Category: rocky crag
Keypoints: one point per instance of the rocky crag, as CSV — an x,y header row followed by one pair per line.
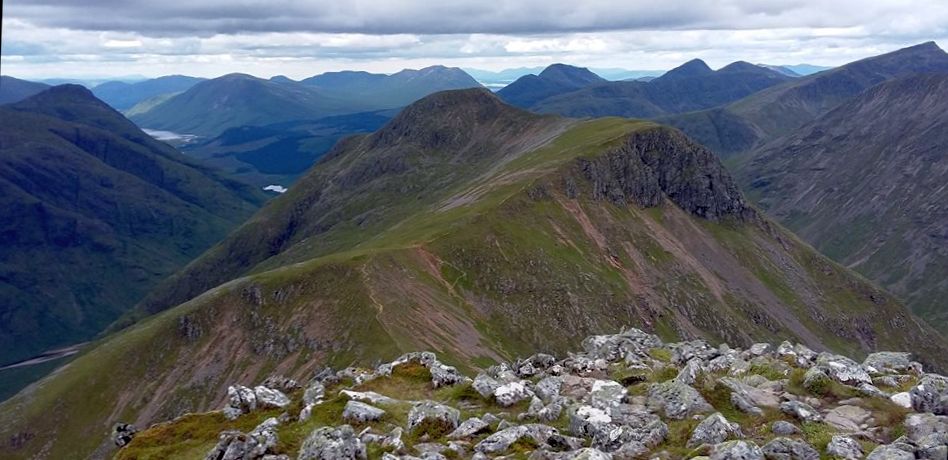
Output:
x,y
624,396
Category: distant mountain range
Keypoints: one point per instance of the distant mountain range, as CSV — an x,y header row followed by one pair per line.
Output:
x,y
752,121
14,89
95,212
691,86
123,96
865,183
499,79
482,232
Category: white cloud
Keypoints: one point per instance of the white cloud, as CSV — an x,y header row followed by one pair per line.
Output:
x,y
44,38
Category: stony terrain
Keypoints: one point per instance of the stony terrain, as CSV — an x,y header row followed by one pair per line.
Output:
x,y
623,396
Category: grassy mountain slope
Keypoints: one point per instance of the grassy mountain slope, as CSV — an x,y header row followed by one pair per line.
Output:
x,y
865,184
210,107
123,96
691,86
478,231
776,111
83,187
15,90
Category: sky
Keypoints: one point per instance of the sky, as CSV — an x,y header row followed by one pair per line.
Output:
x,y
208,38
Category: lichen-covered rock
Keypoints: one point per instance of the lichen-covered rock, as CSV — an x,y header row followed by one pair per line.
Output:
x,y
714,429
931,394
789,449
485,385
501,441
328,443
890,362
784,428
434,418
122,433
269,398
360,412
676,400
606,394
890,453
282,383
511,393
737,450
801,411
240,400
234,445
469,428
586,453
844,448
843,369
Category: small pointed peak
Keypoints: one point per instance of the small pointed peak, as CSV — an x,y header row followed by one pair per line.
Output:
x,y
694,67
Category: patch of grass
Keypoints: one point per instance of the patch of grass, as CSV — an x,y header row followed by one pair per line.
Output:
x,y
661,354
818,434
187,436
769,372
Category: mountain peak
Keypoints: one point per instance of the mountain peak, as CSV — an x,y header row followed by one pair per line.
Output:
x,y
742,66
439,119
570,74
63,101
692,68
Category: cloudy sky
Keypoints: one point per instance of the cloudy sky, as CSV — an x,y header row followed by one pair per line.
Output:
x,y
92,38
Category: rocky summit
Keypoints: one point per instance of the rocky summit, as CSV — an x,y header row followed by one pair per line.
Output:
x,y
624,396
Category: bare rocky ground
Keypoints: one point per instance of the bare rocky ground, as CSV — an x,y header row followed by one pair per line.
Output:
x,y
624,396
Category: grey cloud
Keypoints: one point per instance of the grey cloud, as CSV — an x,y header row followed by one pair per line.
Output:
x,y
174,17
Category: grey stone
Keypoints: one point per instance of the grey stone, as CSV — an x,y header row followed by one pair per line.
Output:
x,y
427,415
485,385
736,450
240,400
469,428
548,388
890,453
511,393
122,433
843,369
847,418
844,448
328,443
784,428
931,394
676,400
789,449
890,362
270,398
801,411
714,429
360,412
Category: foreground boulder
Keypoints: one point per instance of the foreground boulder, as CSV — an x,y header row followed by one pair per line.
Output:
x,y
332,443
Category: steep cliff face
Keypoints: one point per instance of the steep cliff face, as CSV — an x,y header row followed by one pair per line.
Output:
x,y
656,164
526,233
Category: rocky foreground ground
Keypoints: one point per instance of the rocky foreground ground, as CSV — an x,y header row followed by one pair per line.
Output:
x,y
624,396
